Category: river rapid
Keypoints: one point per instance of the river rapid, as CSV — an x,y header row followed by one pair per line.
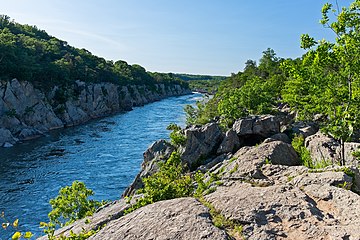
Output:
x,y
105,154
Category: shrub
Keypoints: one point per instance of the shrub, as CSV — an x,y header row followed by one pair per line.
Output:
x,y
176,136
71,204
168,183
302,151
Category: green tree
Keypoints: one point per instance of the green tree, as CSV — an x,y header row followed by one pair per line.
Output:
x,y
326,81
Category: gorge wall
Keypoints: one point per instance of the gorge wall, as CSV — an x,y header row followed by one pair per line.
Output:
x,y
27,112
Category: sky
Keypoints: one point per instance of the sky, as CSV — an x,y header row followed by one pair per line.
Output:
x,y
212,37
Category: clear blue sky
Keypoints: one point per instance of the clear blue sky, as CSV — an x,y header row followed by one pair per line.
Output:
x,y
185,36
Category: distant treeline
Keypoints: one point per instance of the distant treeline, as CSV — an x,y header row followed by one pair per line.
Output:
x,y
192,77
30,54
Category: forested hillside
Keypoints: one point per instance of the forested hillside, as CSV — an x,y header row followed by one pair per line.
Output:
x,y
30,54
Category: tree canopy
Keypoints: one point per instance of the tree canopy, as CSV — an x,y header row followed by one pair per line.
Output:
x,y
30,54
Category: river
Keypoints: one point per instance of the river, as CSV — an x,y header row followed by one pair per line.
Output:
x,y
105,154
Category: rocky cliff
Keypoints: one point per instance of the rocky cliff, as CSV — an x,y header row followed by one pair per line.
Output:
x,y
27,112
261,188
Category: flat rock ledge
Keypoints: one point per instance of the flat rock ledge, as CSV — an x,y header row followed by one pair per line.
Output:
x,y
177,219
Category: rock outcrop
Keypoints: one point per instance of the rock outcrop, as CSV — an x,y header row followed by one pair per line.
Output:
x,y
26,112
201,143
260,191
325,148
178,219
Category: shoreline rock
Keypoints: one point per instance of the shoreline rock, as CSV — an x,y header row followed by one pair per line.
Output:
x,y
27,113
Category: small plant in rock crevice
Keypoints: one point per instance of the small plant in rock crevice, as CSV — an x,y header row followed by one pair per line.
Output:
x,y
177,137
302,151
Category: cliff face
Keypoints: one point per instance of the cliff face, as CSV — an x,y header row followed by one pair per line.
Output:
x,y
27,112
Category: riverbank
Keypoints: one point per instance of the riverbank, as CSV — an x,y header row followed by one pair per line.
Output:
x,y
105,154
253,185
27,112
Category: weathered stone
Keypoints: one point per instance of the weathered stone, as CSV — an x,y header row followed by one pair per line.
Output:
x,y
325,148
177,219
214,161
280,174
230,143
264,126
249,160
24,107
201,142
305,129
278,137
160,149
349,149
6,137
283,212
7,145
29,133
323,178
244,126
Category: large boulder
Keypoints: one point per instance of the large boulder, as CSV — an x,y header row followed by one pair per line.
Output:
x,y
160,149
102,216
177,219
201,143
247,162
305,129
230,143
6,137
325,148
253,130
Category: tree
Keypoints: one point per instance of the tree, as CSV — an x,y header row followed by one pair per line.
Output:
x,y
327,81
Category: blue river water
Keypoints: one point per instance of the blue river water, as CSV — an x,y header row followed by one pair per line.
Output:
x,y
105,154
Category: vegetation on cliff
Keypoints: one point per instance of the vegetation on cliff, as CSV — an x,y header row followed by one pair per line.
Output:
x,y
323,84
30,54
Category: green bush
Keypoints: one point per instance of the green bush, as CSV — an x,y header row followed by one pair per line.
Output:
x,y
176,136
301,150
168,183
71,204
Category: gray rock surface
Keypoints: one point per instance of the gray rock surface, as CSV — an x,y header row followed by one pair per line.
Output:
x,y
325,148
201,142
177,219
264,126
248,161
107,213
305,129
284,212
278,137
6,137
230,143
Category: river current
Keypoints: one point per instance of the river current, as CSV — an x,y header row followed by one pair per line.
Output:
x,y
105,154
